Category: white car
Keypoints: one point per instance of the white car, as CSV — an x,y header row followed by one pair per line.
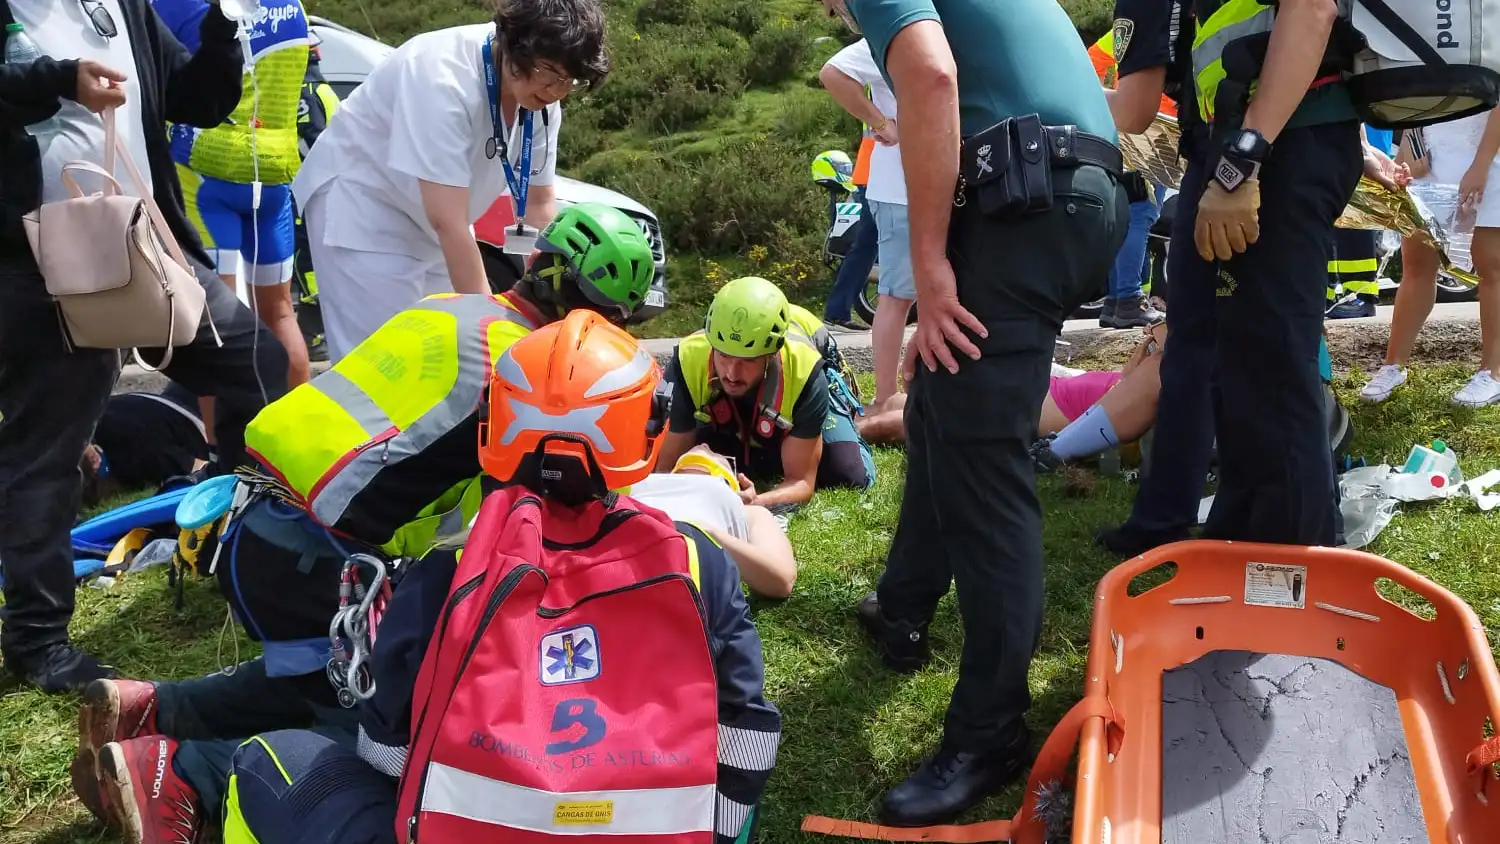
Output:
x,y
347,57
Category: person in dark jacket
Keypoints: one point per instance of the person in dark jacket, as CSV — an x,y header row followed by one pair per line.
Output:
x,y
113,53
142,441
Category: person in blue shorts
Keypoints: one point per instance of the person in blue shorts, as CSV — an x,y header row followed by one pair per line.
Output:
x,y
236,177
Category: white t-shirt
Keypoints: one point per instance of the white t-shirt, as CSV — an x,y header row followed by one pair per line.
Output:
x,y
887,180
703,500
62,30
1451,147
423,113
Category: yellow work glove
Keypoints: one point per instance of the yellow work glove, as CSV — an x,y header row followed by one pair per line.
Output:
x,y
1227,222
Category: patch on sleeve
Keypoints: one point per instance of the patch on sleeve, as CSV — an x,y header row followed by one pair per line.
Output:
x,y
1124,30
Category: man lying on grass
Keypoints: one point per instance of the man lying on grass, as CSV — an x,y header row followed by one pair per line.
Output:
x,y
703,490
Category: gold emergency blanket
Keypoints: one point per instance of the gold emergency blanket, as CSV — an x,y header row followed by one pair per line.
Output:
x,y
1408,211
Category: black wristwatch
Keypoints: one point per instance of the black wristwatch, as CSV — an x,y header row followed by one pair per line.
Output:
x,y
1241,160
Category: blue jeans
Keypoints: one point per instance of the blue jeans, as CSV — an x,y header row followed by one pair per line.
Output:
x,y
1130,262
854,271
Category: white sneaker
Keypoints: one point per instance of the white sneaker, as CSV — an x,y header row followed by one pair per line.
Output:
x,y
1483,389
1385,382
1060,371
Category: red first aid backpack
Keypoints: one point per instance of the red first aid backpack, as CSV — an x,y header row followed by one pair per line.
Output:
x,y
568,692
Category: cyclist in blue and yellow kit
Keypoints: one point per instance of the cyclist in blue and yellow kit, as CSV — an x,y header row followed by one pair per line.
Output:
x,y
219,167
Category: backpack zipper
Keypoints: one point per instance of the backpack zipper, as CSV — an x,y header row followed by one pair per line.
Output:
x,y
454,600
559,612
497,597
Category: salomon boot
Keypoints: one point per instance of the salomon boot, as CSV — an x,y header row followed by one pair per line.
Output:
x,y
114,710
144,795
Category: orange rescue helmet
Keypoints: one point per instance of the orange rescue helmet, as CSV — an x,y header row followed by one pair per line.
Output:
x,y
580,389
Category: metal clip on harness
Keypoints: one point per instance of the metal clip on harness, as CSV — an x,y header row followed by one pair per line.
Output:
x,y
352,631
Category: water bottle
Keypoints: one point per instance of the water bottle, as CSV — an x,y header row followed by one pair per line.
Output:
x,y
21,50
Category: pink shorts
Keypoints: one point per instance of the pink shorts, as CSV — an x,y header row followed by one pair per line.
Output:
x,y
1075,395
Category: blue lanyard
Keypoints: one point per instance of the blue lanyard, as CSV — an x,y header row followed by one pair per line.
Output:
x,y
519,187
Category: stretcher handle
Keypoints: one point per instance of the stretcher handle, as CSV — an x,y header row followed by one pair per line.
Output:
x,y
1200,553
1050,766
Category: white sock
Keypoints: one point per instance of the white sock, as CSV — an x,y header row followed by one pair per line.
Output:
x,y
1085,436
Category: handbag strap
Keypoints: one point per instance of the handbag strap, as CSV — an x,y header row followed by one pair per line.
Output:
x,y
114,146
111,184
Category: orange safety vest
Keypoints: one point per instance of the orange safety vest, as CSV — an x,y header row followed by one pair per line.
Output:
x,y
1102,53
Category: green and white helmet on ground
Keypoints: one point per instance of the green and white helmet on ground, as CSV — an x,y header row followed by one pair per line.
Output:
x,y
606,253
833,169
748,318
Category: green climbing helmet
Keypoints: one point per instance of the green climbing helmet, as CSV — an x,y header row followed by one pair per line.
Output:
x,y
834,170
607,253
748,318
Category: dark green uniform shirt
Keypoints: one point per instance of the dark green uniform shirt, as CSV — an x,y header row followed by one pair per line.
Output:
x,y
1014,57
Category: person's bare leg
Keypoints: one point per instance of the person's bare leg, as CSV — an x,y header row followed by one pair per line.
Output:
x,y
1131,403
1486,251
229,279
1414,299
273,304
1052,419
886,336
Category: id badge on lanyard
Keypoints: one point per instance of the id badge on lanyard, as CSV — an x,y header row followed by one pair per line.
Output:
x,y
522,239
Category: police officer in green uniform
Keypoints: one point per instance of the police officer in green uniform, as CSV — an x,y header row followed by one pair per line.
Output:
x,y
1153,47
1283,159
1003,95
1206,301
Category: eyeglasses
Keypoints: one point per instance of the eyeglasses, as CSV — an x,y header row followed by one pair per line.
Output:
x,y
555,80
103,21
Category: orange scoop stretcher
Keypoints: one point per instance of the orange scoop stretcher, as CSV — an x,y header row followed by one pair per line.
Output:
x,y
1248,605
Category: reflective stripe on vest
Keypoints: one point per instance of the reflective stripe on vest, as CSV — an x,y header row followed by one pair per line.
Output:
x,y
786,375
1232,21
401,389
439,522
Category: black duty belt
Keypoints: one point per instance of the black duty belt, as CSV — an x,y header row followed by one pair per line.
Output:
x,y
1087,149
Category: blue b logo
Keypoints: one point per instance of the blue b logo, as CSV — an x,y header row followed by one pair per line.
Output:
x,y
570,713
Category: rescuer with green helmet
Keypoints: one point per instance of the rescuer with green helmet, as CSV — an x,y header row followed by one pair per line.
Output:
x,y
754,386
592,256
380,458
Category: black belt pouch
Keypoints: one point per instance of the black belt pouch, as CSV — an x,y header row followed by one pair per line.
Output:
x,y
1008,167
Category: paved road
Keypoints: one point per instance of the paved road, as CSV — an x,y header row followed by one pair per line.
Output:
x,y
1082,335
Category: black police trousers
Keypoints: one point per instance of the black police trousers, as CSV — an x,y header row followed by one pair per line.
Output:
x,y
970,514
1241,361
51,399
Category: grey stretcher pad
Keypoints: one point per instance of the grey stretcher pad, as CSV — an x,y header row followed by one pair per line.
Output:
x,y
1274,749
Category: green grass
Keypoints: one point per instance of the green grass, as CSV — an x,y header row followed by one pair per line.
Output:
x,y
852,729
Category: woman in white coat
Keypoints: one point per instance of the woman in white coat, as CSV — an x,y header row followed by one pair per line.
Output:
x,y
446,125
1463,153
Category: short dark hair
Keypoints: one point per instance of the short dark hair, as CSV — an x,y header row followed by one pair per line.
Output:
x,y
569,33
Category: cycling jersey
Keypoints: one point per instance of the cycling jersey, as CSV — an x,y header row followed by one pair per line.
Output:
x,y
279,41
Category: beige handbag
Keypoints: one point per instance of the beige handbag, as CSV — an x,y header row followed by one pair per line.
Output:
x,y
118,276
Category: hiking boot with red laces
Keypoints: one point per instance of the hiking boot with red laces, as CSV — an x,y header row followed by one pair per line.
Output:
x,y
148,801
114,710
